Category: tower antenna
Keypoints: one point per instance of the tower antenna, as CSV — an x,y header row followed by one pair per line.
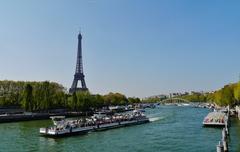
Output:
x,y
79,31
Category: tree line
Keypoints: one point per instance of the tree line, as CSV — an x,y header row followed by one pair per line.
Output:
x,y
228,95
44,96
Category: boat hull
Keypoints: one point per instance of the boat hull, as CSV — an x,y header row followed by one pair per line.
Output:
x,y
213,125
121,124
65,134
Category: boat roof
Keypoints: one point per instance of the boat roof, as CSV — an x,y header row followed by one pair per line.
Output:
x,y
215,115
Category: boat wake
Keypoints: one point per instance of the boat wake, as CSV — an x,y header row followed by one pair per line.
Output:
x,y
155,119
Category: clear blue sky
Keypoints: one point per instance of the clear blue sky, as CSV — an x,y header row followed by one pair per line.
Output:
x,y
136,47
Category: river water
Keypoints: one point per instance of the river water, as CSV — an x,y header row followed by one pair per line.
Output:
x,y
172,129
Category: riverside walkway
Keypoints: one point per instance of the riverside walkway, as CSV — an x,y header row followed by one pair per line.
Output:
x,y
36,116
223,143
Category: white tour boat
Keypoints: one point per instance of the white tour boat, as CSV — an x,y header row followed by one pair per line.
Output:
x,y
64,127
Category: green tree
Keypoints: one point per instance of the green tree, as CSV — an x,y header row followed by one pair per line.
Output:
x,y
133,100
85,100
98,101
237,92
28,98
74,101
227,96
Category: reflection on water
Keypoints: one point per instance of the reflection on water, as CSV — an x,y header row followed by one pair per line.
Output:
x,y
172,128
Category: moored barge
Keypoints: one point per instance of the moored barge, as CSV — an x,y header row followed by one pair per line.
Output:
x,y
215,119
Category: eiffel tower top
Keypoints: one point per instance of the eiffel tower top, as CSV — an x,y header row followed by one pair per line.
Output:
x,y
79,35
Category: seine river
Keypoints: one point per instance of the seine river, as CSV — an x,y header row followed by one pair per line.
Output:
x,y
172,129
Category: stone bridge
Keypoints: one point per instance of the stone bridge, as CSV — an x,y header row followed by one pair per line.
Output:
x,y
174,100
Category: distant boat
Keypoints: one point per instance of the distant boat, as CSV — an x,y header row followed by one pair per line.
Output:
x,y
182,104
185,104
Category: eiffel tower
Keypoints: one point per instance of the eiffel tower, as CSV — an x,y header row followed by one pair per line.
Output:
x,y
79,76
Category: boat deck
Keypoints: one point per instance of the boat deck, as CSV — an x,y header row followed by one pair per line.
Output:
x,y
52,132
95,123
215,119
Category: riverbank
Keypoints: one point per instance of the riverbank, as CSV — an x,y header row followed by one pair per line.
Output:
x,y
16,114
38,116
